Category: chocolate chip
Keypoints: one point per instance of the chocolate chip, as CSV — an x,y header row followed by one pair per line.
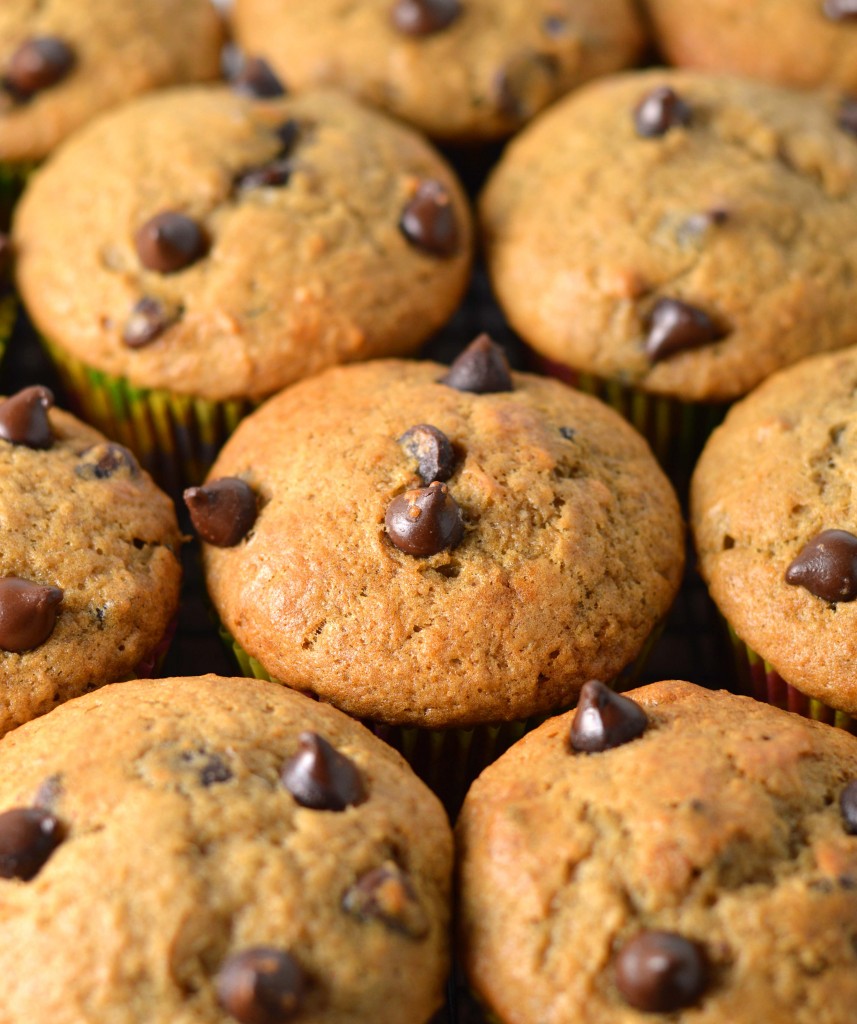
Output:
x,y
147,322
28,836
387,895
255,77
261,985
223,511
659,972
24,417
827,566
428,220
848,807
433,451
37,64
660,110
605,719
846,116
423,17
424,521
169,242
525,84
568,433
271,175
321,778
103,461
840,10
214,771
288,134
482,368
28,613
675,326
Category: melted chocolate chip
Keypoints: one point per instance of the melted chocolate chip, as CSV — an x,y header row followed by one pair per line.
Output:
x,y
659,972
387,895
428,220
423,17
433,451
38,64
271,175
321,778
660,110
255,77
28,613
223,511
424,521
827,566
169,242
840,10
28,836
147,322
848,808
846,116
482,368
261,985
103,461
674,326
24,417
525,84
605,719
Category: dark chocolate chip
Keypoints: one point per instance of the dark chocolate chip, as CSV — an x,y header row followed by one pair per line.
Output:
x,y
840,10
660,110
423,17
675,326
659,972
28,613
213,771
321,778
525,84
169,242
147,322
433,451
37,64
106,460
387,895
605,719
261,985
568,433
848,807
24,417
428,220
424,521
223,511
271,175
827,566
482,368
28,836
288,134
255,77
846,116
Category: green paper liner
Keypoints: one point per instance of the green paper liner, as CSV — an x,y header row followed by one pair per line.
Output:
x,y
175,437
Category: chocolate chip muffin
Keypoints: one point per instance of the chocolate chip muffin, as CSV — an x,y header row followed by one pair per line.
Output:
x,y
89,566
211,850
717,886
776,533
457,69
234,244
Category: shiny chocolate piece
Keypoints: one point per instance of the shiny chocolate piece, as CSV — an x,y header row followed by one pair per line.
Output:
x,y
147,322
840,10
386,894
255,77
261,985
169,242
848,808
271,175
674,326
107,460
525,84
605,719
827,566
482,368
24,417
433,451
423,17
222,512
28,613
38,64
660,110
846,115
321,778
28,836
424,521
428,220
660,972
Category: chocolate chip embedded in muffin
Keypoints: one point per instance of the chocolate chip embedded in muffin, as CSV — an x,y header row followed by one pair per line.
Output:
x,y
28,836
433,451
321,778
827,566
423,17
660,110
255,77
169,242
840,10
429,222
104,461
674,326
24,417
222,512
481,368
28,613
424,521
386,894
605,719
261,985
38,64
660,972
148,320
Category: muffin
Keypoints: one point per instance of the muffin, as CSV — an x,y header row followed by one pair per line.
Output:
x,y
460,70
210,850
775,526
683,855
89,566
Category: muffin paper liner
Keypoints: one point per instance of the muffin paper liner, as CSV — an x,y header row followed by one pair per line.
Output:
x,y
175,437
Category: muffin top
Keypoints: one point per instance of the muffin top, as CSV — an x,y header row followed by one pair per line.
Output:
x,y
690,234
457,69
89,565
220,245
421,553
62,62
772,483
706,869
207,850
